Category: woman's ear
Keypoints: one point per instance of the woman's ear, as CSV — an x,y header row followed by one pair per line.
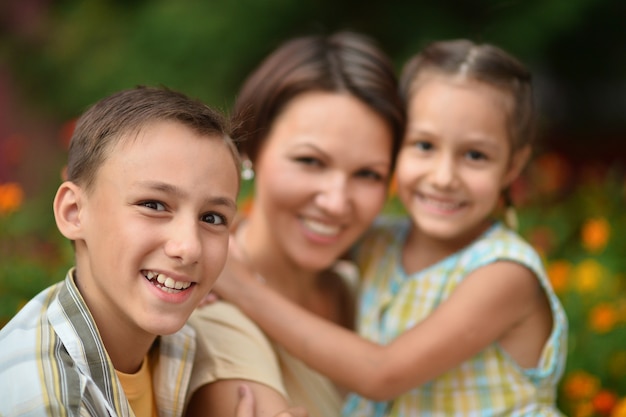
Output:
x,y
518,162
67,205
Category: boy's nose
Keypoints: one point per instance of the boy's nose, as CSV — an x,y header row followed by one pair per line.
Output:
x,y
184,242
332,196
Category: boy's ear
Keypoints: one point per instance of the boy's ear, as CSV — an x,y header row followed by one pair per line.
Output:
x,y
518,162
67,206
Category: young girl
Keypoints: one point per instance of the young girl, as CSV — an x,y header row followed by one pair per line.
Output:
x,y
456,312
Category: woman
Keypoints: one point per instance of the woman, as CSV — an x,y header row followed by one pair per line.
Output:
x,y
320,123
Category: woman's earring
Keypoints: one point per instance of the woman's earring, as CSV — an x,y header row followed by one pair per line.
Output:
x,y
247,172
510,215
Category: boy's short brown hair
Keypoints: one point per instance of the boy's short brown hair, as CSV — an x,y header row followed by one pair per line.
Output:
x,y
126,113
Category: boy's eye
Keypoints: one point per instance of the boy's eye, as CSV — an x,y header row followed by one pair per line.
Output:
x,y
154,205
213,218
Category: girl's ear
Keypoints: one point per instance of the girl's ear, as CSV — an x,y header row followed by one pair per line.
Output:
x,y
518,162
67,205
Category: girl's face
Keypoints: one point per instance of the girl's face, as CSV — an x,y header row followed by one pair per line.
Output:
x,y
456,157
321,178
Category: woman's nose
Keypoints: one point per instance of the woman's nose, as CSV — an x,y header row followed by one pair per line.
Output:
x,y
333,195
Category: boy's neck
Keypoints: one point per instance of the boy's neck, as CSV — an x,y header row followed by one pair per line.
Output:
x,y
125,346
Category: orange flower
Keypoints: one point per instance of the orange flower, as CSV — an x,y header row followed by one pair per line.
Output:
x,y
11,196
602,318
580,385
588,274
595,234
604,402
558,272
620,409
583,409
245,205
393,187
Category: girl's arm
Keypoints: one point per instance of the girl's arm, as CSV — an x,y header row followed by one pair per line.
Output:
x,y
479,312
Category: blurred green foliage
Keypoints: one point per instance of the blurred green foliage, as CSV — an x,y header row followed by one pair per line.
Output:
x,y
80,51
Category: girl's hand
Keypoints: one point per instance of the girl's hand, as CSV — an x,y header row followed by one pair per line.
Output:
x,y
245,407
235,276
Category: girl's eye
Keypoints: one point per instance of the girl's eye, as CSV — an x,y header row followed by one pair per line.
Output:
x,y
476,155
423,145
213,218
154,205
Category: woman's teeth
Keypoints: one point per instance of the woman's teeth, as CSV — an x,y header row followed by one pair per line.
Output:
x,y
321,228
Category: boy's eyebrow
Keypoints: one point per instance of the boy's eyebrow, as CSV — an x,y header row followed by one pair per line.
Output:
x,y
176,191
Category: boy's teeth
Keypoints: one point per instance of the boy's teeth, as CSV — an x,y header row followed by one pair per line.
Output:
x,y
167,282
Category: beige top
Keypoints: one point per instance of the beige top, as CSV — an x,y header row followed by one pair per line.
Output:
x,y
231,346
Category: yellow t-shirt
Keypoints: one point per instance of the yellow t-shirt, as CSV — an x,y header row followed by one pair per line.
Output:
x,y
139,390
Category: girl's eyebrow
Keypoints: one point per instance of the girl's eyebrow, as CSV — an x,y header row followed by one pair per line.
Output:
x,y
419,130
176,191
483,142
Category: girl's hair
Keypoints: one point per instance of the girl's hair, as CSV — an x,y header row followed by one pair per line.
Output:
x,y
345,62
484,63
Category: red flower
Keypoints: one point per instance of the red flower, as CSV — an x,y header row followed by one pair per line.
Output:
x,y
604,402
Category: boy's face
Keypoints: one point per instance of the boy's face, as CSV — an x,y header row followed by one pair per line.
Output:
x,y
152,233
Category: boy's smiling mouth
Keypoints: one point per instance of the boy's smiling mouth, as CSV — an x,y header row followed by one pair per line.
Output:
x,y
165,283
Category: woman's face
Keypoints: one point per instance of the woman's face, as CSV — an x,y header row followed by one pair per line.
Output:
x,y
321,177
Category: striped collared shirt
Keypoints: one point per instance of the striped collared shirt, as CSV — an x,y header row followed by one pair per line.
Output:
x,y
53,362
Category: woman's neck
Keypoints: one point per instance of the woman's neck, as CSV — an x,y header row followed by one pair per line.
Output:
x,y
262,254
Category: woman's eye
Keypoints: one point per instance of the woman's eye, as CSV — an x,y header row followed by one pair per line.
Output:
x,y
213,218
309,160
369,174
153,205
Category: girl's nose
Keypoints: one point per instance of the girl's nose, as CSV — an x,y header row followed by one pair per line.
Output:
x,y
444,171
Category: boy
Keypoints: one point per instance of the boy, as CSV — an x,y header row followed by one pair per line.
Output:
x,y
152,183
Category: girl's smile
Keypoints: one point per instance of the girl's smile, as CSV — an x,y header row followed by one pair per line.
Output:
x,y
455,160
